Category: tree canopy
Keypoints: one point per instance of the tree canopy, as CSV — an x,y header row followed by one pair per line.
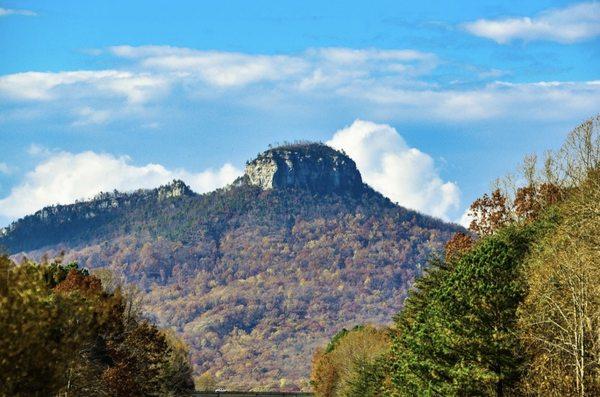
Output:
x,y
62,333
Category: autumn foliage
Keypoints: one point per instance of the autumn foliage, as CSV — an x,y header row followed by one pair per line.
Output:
x,y
338,369
459,244
560,318
239,271
61,333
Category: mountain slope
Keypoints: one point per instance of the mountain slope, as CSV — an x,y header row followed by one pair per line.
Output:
x,y
257,274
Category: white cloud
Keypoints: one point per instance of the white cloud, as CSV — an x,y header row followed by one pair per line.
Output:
x,y
81,94
64,177
38,150
540,100
383,84
46,86
87,116
9,11
404,174
465,219
231,69
574,23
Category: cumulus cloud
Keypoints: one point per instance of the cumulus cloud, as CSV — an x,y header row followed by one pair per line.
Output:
x,y
404,174
465,219
574,23
9,11
64,177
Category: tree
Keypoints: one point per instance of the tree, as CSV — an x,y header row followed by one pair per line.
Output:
x,y
62,333
455,335
349,365
205,382
368,378
39,332
489,213
458,245
580,153
560,318
531,280
531,200
178,371
544,186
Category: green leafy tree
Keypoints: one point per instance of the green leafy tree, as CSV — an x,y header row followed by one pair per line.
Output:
x,y
368,378
37,332
456,334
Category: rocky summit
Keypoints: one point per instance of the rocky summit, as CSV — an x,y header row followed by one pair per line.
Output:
x,y
310,166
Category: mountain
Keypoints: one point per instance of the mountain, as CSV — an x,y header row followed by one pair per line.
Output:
x,y
257,274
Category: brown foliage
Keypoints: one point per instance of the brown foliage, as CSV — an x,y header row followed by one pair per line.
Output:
x,y
489,213
76,281
457,246
531,200
285,270
324,375
120,380
492,212
562,171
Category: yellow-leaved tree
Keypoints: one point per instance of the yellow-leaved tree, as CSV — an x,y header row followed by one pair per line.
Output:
x,y
560,318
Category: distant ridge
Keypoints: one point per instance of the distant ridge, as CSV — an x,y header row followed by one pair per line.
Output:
x,y
21,234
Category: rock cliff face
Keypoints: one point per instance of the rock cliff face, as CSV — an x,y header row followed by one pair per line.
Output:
x,y
177,188
314,167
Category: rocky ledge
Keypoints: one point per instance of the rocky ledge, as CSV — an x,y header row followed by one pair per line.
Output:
x,y
311,166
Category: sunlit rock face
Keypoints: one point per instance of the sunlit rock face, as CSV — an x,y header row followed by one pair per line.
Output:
x,y
176,188
314,167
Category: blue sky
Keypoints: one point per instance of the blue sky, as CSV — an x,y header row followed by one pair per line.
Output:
x,y
432,100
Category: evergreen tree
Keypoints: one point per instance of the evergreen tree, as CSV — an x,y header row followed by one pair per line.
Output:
x,y
456,334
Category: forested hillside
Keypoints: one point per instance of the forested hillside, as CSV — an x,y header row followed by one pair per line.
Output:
x,y
254,277
512,309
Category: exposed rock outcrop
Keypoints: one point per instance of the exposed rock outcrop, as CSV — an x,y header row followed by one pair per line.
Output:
x,y
313,166
177,188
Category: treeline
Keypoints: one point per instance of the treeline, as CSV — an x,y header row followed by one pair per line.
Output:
x,y
513,307
63,333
